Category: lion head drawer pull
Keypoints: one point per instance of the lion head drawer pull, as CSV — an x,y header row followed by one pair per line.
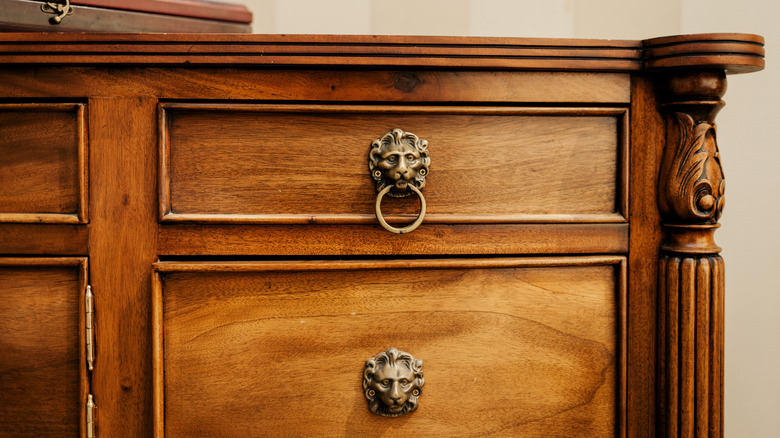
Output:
x,y
392,383
399,163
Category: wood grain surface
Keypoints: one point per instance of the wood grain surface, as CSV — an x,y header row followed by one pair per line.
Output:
x,y
329,50
325,85
43,173
122,250
521,347
44,239
541,148
42,371
363,240
647,142
732,53
308,164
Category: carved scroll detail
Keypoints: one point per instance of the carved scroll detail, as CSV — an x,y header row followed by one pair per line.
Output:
x,y
692,182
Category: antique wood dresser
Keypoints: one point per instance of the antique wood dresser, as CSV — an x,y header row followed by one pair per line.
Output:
x,y
232,236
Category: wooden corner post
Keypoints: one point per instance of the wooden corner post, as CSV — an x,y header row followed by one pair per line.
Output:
x,y
691,196
691,191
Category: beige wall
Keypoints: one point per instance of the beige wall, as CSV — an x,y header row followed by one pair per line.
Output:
x,y
749,148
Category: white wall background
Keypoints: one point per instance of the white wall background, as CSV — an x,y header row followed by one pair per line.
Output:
x,y
750,151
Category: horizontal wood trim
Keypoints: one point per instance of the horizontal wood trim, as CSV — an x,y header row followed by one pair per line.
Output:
x,y
736,53
394,109
40,218
358,51
431,239
44,239
687,49
600,55
319,85
44,261
371,219
178,286
46,178
530,63
347,40
336,265
206,176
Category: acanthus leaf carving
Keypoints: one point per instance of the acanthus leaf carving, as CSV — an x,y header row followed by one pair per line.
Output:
x,y
692,186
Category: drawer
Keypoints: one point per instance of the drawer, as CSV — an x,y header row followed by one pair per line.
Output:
x,y
509,346
42,366
303,164
43,173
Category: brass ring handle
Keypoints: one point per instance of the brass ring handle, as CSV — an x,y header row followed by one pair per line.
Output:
x,y
399,162
409,228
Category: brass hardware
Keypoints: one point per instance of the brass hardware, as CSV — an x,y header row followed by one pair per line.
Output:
x,y
392,383
60,10
91,408
408,228
89,304
399,163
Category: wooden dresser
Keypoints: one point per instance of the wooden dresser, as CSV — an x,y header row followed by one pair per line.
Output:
x,y
190,236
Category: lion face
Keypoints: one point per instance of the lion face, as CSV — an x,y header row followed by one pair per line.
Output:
x,y
399,158
392,382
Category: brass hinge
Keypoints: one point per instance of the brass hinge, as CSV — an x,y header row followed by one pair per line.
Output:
x,y
58,9
89,322
91,411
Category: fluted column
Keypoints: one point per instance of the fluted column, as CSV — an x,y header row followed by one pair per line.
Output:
x,y
691,281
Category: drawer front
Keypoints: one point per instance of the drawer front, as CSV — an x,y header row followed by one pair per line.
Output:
x,y
43,173
309,163
520,347
42,374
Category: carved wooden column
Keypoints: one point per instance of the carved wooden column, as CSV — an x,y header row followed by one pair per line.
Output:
x,y
691,198
690,72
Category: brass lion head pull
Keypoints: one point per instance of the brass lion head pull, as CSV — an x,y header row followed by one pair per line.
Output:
x,y
392,383
399,163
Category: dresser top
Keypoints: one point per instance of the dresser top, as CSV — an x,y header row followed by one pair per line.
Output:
x,y
736,53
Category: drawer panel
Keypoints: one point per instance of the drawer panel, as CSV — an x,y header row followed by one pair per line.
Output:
x,y
309,164
520,347
43,163
42,371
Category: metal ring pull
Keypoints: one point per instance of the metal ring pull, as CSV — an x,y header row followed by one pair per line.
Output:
x,y
399,163
409,228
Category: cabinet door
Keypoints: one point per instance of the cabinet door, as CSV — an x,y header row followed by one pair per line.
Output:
x,y
520,347
43,385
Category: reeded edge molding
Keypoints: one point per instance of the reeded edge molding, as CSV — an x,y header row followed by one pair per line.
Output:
x,y
736,53
732,52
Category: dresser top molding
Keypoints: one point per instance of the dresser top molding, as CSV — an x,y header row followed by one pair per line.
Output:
x,y
732,52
